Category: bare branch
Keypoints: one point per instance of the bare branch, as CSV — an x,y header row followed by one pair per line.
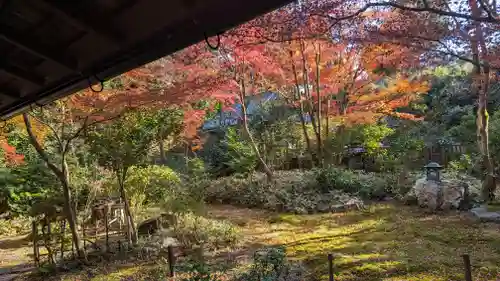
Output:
x,y
51,128
38,147
430,10
86,125
486,8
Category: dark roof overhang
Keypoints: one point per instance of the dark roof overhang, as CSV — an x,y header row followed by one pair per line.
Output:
x,y
52,48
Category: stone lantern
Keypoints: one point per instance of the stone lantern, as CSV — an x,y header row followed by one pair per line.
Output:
x,y
433,171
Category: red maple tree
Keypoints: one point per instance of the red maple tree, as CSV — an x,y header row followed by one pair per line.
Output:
x,y
11,157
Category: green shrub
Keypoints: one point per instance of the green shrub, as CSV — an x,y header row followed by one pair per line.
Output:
x,y
242,159
154,182
197,271
366,185
464,164
291,191
149,185
271,264
268,264
196,167
16,226
192,230
185,198
302,192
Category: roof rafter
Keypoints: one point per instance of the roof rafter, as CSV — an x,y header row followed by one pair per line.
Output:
x,y
9,93
94,26
21,73
21,42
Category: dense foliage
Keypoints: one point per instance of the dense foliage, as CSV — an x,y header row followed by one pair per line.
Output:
x,y
316,107
320,190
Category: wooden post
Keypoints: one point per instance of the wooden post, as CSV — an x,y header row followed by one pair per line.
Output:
x,y
444,156
83,236
468,272
199,254
63,228
36,253
129,232
96,229
330,267
171,260
107,230
49,242
121,214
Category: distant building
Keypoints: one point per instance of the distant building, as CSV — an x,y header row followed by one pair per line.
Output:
x,y
233,116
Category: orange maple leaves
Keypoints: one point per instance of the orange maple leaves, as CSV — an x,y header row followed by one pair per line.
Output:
x,y
11,157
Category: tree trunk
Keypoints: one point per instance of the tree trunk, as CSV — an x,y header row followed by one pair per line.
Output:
x,y
340,130
312,113
47,240
489,185
121,184
301,107
163,157
264,166
481,89
318,132
63,232
338,135
71,215
327,129
304,129
63,176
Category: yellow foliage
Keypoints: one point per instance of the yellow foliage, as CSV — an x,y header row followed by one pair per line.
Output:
x,y
39,130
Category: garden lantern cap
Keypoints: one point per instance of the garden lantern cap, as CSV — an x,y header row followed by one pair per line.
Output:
x,y
433,165
53,48
433,171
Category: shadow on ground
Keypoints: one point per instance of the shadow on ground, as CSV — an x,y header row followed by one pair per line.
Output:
x,y
14,243
386,242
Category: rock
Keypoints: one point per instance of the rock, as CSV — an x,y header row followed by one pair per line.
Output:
x,y
444,195
453,194
170,241
323,208
338,208
478,210
153,225
410,199
354,204
427,193
149,227
484,215
350,204
301,211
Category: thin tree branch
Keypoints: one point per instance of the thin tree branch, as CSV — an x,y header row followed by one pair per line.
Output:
x,y
52,129
486,8
86,126
38,147
430,10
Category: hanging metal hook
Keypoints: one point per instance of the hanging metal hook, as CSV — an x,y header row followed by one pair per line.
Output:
x,y
101,83
216,47
4,125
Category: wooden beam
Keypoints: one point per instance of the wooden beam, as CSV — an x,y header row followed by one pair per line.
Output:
x,y
127,5
9,93
39,51
21,74
94,26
